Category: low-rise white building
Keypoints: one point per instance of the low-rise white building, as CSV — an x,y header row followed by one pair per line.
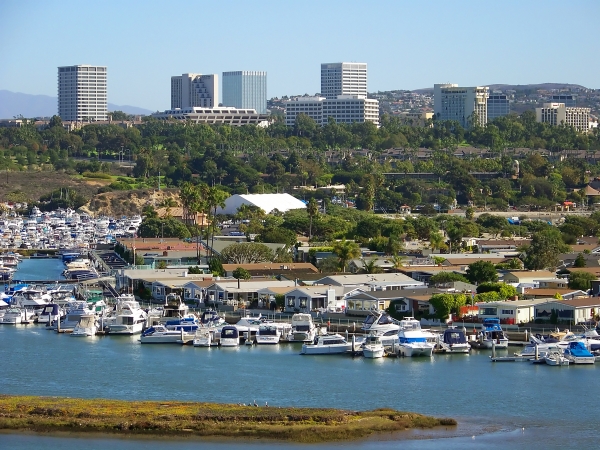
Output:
x,y
217,115
266,202
343,109
512,312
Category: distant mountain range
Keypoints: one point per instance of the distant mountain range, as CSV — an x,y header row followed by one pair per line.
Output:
x,y
16,103
517,87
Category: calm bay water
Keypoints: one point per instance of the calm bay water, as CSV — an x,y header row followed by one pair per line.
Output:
x,y
498,405
40,269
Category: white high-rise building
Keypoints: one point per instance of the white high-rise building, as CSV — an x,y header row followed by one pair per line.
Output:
x,y
343,79
462,104
559,114
82,93
194,89
245,89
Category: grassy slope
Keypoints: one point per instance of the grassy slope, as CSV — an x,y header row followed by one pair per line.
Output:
x,y
307,425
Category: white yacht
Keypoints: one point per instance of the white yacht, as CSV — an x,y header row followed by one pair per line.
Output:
x,y
160,334
230,336
206,337
174,308
303,328
327,344
268,334
413,340
87,326
373,347
75,310
211,319
14,315
129,318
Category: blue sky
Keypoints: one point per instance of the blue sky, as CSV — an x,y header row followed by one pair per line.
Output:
x,y
407,45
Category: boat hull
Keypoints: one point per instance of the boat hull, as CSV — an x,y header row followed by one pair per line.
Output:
x,y
310,349
412,350
126,329
499,343
373,351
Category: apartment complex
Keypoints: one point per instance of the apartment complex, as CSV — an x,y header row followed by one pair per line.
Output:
x,y
343,79
194,89
559,114
82,93
461,104
498,105
245,89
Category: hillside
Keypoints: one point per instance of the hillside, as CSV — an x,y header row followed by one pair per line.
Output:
x,y
517,87
127,203
16,103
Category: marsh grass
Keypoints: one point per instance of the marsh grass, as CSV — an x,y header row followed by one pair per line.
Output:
x,y
307,425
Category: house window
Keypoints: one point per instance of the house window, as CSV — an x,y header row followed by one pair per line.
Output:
x,y
291,301
303,302
488,311
508,311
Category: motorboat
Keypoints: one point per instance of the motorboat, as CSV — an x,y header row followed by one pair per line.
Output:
x,y
174,308
556,358
577,353
211,319
160,334
373,347
14,315
454,340
303,328
230,336
267,334
50,313
87,326
539,348
379,322
74,311
129,318
327,344
492,334
413,341
206,337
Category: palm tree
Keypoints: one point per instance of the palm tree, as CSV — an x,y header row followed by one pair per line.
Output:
x,y
313,210
398,262
371,266
345,251
215,198
436,240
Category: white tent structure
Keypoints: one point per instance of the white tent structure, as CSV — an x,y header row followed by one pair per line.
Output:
x,y
266,202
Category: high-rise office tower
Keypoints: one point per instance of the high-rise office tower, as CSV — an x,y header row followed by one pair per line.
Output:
x,y
245,89
82,93
498,105
569,100
343,79
462,104
194,89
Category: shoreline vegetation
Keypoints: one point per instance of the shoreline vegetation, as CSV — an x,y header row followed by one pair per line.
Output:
x,y
181,419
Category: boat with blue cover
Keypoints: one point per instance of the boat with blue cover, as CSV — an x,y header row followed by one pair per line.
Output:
x,y
492,334
577,353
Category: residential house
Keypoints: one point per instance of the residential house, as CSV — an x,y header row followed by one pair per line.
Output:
x,y
578,310
565,293
361,302
528,276
272,269
378,281
511,312
317,298
234,292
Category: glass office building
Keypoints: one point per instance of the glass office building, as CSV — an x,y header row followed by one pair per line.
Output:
x,y
245,89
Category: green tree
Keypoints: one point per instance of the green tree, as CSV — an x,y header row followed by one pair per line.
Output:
x,y
436,240
246,253
446,304
579,261
442,278
581,280
504,290
544,249
481,271
345,251
241,274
